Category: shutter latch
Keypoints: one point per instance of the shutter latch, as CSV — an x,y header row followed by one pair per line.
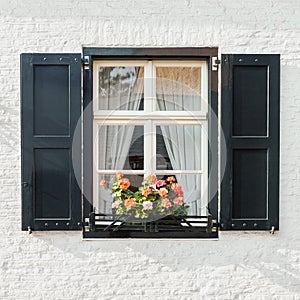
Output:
x,y
215,63
86,62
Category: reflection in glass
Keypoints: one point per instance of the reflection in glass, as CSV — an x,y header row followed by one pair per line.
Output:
x,y
178,88
178,147
121,88
121,147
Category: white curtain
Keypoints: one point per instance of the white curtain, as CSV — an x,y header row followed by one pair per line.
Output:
x,y
179,89
183,147
114,141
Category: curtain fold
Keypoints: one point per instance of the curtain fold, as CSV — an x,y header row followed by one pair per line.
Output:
x,y
114,141
179,141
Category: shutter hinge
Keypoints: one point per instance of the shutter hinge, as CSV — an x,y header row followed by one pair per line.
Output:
x,y
86,62
29,230
272,231
215,63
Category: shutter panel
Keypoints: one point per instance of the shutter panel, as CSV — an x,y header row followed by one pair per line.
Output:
x,y
250,122
51,108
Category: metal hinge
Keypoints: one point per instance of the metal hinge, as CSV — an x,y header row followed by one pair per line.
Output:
x,y
86,62
215,63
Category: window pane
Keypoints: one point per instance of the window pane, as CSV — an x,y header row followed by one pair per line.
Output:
x,y
120,147
121,88
178,147
178,88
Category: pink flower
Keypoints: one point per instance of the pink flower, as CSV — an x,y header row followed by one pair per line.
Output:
x,y
151,179
129,203
147,205
115,204
124,183
160,183
163,192
177,189
178,201
103,183
146,191
166,203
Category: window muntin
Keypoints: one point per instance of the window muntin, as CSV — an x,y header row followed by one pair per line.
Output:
x,y
149,133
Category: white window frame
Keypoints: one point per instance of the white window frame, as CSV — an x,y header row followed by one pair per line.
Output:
x,y
150,118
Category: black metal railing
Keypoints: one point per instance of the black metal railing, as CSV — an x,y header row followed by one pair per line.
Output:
x,y
110,225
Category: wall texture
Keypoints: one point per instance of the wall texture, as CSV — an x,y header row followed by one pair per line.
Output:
x,y
60,265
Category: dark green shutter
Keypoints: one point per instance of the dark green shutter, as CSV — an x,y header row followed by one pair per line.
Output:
x,y
250,122
51,108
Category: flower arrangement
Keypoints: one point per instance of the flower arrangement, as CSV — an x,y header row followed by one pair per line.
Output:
x,y
154,198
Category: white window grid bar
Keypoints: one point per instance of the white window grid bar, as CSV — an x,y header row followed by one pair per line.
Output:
x,y
160,172
184,115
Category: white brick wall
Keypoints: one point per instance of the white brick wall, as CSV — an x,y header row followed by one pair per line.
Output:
x,y
61,265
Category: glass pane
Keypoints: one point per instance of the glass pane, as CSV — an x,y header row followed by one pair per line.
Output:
x,y
178,147
121,88
120,147
178,88
192,194
103,203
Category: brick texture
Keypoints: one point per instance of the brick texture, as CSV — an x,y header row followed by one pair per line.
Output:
x,y
63,266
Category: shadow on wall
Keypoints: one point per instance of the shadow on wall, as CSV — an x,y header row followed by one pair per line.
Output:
x,y
259,256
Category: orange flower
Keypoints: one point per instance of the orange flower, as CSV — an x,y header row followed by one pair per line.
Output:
x,y
166,203
119,175
163,192
129,203
151,179
146,191
171,179
124,183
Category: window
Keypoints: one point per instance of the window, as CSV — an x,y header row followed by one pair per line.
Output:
x,y
150,111
150,117
139,101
